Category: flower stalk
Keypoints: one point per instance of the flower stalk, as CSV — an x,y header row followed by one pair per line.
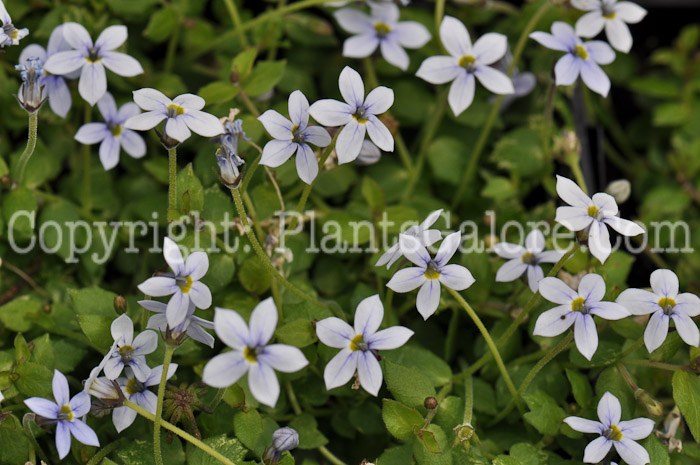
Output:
x,y
157,421
31,145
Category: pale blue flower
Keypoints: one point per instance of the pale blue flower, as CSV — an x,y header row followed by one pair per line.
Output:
x,y
466,63
31,92
359,345
425,236
193,326
55,86
613,432
92,59
64,413
183,283
182,114
429,273
252,353
111,134
357,115
9,34
577,308
611,15
137,392
582,58
130,352
293,137
664,304
381,29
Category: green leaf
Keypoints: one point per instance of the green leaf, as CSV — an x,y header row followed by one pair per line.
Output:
x,y
140,452
373,193
16,314
97,329
298,333
265,76
19,212
407,384
218,92
519,151
15,445
686,394
234,396
22,353
190,195
429,364
438,440
610,380
658,454
229,448
253,276
400,419
309,435
243,63
498,188
161,25
581,387
545,415
248,427
428,439
93,301
34,380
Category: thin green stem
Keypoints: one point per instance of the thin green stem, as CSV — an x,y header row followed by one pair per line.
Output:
x,y
34,446
534,300
660,365
31,145
105,451
468,399
468,176
556,350
236,19
183,434
439,13
573,160
159,405
172,184
330,457
492,347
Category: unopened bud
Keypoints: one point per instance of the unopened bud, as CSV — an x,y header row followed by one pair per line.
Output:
x,y
464,432
620,190
283,440
369,154
120,304
651,405
430,403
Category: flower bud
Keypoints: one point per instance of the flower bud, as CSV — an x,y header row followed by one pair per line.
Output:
x,y
31,91
430,403
284,439
651,405
229,175
620,190
120,304
369,154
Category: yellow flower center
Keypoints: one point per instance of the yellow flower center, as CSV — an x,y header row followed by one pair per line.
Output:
x,y
610,15
592,211
579,305
187,287
133,386
175,110
528,258
467,62
14,35
667,304
357,343
382,29
117,130
66,413
250,354
125,350
581,52
613,433
431,273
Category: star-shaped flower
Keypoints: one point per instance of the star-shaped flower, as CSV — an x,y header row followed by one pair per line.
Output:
x,y
55,87
9,34
183,283
193,326
525,259
430,272
465,63
593,216
182,114
613,432
359,345
130,352
293,136
425,236
92,59
664,304
357,115
252,353
65,413
611,15
112,134
577,308
582,58
381,29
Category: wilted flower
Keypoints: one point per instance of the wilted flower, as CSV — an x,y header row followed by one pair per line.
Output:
x,y
664,304
430,272
425,236
112,134
251,353
577,308
192,326
581,57
9,34
465,63
613,432
357,114
283,440
55,87
64,413
130,352
182,114
183,283
293,137
137,392
359,345
382,29
611,15
227,155
593,216
92,59
525,259
31,91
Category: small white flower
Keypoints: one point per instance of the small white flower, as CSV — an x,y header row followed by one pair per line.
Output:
x,y
430,272
182,114
465,63
425,236
130,352
525,259
1,397
293,136
192,325
359,345
613,432
611,15
382,29
252,353
592,215
92,59
664,304
9,34
183,283
582,58
357,115
137,392
577,308
111,133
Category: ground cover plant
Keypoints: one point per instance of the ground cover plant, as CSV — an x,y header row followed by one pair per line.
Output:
x,y
361,232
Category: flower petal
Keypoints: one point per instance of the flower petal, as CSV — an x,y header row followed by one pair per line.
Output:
x,y
631,452
158,286
276,152
80,404
197,265
123,417
592,288
597,449
599,241
490,48
664,283
455,37
368,316
204,124
145,121
42,407
630,12
277,125
461,94
224,369
354,21
411,34
60,99
508,250
586,336
284,358
618,34
590,24
173,257
231,328
554,322
151,99
638,301
92,133
390,338
567,70
550,256
121,64
688,304
609,410
122,330
111,38
600,52
93,82
393,53
494,80
190,101
583,425
456,277
369,372
534,276
511,270
63,441
438,69
573,218
549,41
414,250
351,87
307,164
595,78
334,332
341,368
145,343
349,141
624,227
656,331
608,310
109,152
636,429
360,46
428,298
448,248
379,100
407,279
318,136
77,36
298,106
331,112
554,290
687,329
379,133
263,322
140,368
177,129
